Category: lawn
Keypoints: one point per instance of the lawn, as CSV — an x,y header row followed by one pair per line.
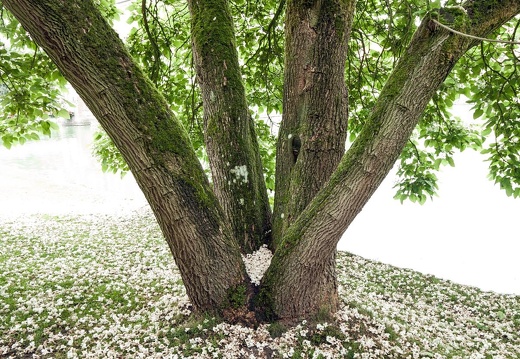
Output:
x,y
106,286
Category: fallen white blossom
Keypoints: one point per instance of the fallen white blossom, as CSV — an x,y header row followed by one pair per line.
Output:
x,y
257,263
105,286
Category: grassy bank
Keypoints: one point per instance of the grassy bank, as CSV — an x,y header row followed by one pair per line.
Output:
x,y
106,287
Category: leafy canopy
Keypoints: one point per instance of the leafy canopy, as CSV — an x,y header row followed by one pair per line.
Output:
x,y
31,88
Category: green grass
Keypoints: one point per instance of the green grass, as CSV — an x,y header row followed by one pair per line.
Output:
x,y
101,286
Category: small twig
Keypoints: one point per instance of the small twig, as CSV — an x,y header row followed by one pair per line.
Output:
x,y
154,74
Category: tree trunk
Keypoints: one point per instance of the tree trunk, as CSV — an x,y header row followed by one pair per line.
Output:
x,y
230,137
298,281
203,236
313,131
154,144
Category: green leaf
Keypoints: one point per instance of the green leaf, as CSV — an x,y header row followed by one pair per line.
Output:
x,y
63,114
486,131
477,113
7,145
501,315
45,125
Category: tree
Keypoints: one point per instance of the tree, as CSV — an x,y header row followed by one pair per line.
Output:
x,y
397,81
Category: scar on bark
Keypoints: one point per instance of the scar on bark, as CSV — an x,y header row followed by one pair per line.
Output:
x,y
296,144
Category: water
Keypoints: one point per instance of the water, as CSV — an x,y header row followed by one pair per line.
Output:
x,y
58,175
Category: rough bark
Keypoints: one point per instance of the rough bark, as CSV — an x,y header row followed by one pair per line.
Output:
x,y
296,283
301,279
313,131
230,137
93,59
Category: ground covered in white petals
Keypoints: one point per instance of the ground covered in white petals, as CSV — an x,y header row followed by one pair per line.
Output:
x,y
105,286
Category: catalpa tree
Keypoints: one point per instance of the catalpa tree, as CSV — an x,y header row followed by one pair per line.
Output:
x,y
192,81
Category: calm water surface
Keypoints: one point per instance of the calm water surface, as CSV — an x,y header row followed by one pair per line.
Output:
x,y
59,175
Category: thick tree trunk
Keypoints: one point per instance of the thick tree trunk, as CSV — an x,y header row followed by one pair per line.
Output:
x,y
301,278
296,283
313,131
312,135
230,137
93,59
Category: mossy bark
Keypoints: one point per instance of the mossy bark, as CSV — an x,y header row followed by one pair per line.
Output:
x,y
315,104
156,147
301,280
298,281
236,167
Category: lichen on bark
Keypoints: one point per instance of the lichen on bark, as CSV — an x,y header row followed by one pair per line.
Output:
x,y
229,130
204,235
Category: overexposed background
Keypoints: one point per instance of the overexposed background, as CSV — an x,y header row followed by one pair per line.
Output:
x,y
469,234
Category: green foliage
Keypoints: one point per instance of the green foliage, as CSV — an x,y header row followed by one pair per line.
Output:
x,y
109,9
266,143
486,76
433,145
192,327
110,158
416,172
160,41
276,329
30,87
237,296
380,34
320,336
260,42
493,82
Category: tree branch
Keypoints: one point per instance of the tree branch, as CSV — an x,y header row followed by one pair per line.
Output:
x,y
429,58
152,141
476,37
230,137
156,62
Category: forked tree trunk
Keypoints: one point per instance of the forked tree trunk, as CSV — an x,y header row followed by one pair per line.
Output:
x,y
312,136
299,281
313,131
205,238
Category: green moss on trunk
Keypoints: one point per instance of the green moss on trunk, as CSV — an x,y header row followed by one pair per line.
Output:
x,y
237,296
232,147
